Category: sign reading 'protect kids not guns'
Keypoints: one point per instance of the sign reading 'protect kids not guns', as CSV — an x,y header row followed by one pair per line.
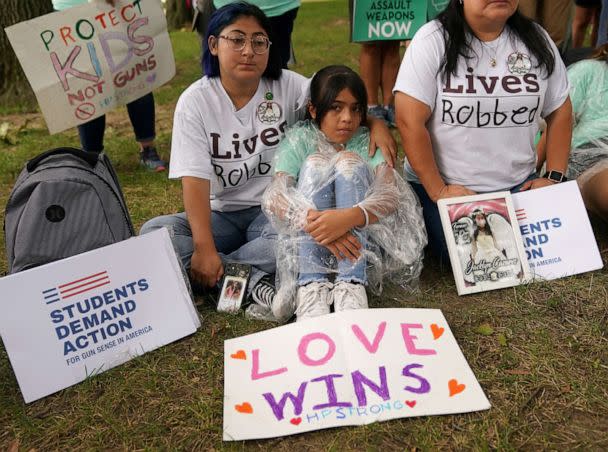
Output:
x,y
350,368
86,60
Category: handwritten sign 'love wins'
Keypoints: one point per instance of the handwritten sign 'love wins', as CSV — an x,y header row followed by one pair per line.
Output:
x,y
350,368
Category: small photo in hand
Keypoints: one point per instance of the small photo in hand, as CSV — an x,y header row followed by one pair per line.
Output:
x,y
484,242
234,287
231,296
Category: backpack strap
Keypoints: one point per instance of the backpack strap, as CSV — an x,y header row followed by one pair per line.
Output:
x,y
89,157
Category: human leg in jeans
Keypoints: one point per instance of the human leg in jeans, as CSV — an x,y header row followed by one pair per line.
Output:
x,y
353,179
243,236
143,119
313,296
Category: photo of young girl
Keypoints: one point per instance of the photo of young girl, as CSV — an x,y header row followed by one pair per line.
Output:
x,y
484,242
345,219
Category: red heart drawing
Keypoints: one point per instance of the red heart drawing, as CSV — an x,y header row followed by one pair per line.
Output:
x,y
244,408
410,403
296,420
455,387
437,330
240,354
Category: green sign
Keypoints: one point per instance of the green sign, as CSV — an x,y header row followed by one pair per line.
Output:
x,y
389,20
435,7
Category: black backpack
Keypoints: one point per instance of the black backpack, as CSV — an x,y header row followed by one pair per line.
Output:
x,y
65,201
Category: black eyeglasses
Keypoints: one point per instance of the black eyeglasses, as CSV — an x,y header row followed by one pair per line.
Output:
x,y
259,43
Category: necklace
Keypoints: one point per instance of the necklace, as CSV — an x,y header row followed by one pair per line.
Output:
x,y
492,50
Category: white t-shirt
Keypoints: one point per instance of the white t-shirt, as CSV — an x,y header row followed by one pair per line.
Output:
x,y
485,119
233,149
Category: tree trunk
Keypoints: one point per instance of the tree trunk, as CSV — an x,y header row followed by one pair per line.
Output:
x,y
14,87
178,14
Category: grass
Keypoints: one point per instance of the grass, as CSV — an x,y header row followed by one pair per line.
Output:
x,y
539,351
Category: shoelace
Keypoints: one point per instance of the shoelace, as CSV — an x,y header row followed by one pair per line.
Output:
x,y
263,293
346,297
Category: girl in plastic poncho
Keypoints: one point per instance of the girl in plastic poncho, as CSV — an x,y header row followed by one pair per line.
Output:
x,y
338,210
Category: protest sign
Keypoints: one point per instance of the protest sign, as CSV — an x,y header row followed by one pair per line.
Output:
x,y
71,319
387,20
349,368
556,232
86,60
435,7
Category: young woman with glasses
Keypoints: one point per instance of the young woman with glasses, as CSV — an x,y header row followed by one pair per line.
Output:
x,y
226,129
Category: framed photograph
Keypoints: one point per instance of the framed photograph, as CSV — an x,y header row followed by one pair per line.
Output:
x,y
234,287
484,242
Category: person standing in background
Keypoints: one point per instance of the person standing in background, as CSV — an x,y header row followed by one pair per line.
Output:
x,y
141,113
586,12
602,37
552,15
378,66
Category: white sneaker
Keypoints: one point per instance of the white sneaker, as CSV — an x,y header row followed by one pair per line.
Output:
x,y
313,300
347,296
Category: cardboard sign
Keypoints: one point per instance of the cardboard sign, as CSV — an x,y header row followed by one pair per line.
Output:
x,y
484,243
350,368
86,60
556,232
71,319
387,20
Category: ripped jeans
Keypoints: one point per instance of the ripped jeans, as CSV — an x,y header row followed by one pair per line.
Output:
x,y
331,183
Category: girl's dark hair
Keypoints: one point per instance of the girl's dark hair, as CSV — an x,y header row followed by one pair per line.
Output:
x,y
600,53
327,84
226,16
457,35
487,228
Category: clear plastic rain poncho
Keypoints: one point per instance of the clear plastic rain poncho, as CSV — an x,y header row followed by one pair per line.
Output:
x,y
589,95
313,175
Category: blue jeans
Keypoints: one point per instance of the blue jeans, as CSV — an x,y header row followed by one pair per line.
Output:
x,y
244,236
432,220
340,186
142,116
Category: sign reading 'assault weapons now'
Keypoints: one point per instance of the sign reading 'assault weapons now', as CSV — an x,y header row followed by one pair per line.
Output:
x,y
86,60
350,368
385,20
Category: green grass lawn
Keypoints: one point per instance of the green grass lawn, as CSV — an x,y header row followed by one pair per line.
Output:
x,y
539,351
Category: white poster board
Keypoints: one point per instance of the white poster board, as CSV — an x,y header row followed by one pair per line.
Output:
x,y
86,60
68,320
556,231
351,368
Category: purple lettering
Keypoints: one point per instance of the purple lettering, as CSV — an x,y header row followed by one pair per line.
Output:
x,y
359,379
424,387
278,408
331,393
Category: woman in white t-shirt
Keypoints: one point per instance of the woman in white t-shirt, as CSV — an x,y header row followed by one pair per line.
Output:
x,y
226,129
471,90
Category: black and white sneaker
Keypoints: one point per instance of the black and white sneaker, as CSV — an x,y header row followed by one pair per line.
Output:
x,y
263,292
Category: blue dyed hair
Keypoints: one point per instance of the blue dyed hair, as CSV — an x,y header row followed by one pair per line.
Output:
x,y
226,16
